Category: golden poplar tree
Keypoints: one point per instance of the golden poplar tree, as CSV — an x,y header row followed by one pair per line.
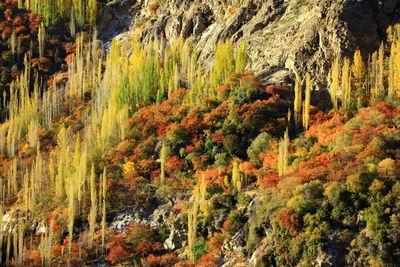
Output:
x,y
241,57
283,159
380,87
192,227
335,81
41,39
346,85
93,206
394,69
358,81
307,102
163,160
298,102
237,180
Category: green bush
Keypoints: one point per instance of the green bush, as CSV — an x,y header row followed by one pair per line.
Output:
x,y
259,145
199,249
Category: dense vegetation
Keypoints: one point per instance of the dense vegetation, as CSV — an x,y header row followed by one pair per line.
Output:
x,y
107,131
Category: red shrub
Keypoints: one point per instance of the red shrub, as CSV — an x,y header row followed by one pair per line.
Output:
x,y
289,220
174,164
208,260
166,260
270,180
117,252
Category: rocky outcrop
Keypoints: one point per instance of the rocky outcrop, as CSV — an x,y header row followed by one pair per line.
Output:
x,y
115,18
156,214
284,37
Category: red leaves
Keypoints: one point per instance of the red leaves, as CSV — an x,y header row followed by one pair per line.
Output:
x,y
213,176
169,259
289,220
52,218
117,253
6,33
161,130
43,64
218,137
21,30
208,260
328,130
247,167
174,164
270,180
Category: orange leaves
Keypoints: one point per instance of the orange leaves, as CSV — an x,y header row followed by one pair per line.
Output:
x,y
78,253
117,252
270,180
289,220
328,130
43,64
223,91
215,243
316,168
269,161
6,33
247,167
212,176
141,240
218,137
174,164
52,218
69,58
161,130
208,260
33,258
169,259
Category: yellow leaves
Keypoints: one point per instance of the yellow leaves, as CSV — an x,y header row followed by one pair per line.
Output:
x,y
358,69
394,69
387,169
224,63
129,170
297,100
41,39
283,154
307,102
376,186
335,81
346,85
93,207
241,57
237,177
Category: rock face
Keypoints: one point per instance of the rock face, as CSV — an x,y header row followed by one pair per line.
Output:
x,y
155,214
284,37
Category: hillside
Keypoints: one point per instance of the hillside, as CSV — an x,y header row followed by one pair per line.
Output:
x,y
200,133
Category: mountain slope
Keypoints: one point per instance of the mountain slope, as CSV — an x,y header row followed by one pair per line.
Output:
x,y
283,37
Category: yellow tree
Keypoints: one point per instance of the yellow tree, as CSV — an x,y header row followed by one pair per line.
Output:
x,y
346,85
241,57
358,80
335,82
93,206
394,69
380,88
283,154
307,102
236,177
297,100
163,161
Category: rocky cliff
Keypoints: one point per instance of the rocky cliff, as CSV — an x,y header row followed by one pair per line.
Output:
x,y
283,37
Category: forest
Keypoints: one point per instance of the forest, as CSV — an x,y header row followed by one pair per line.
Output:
x,y
87,132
